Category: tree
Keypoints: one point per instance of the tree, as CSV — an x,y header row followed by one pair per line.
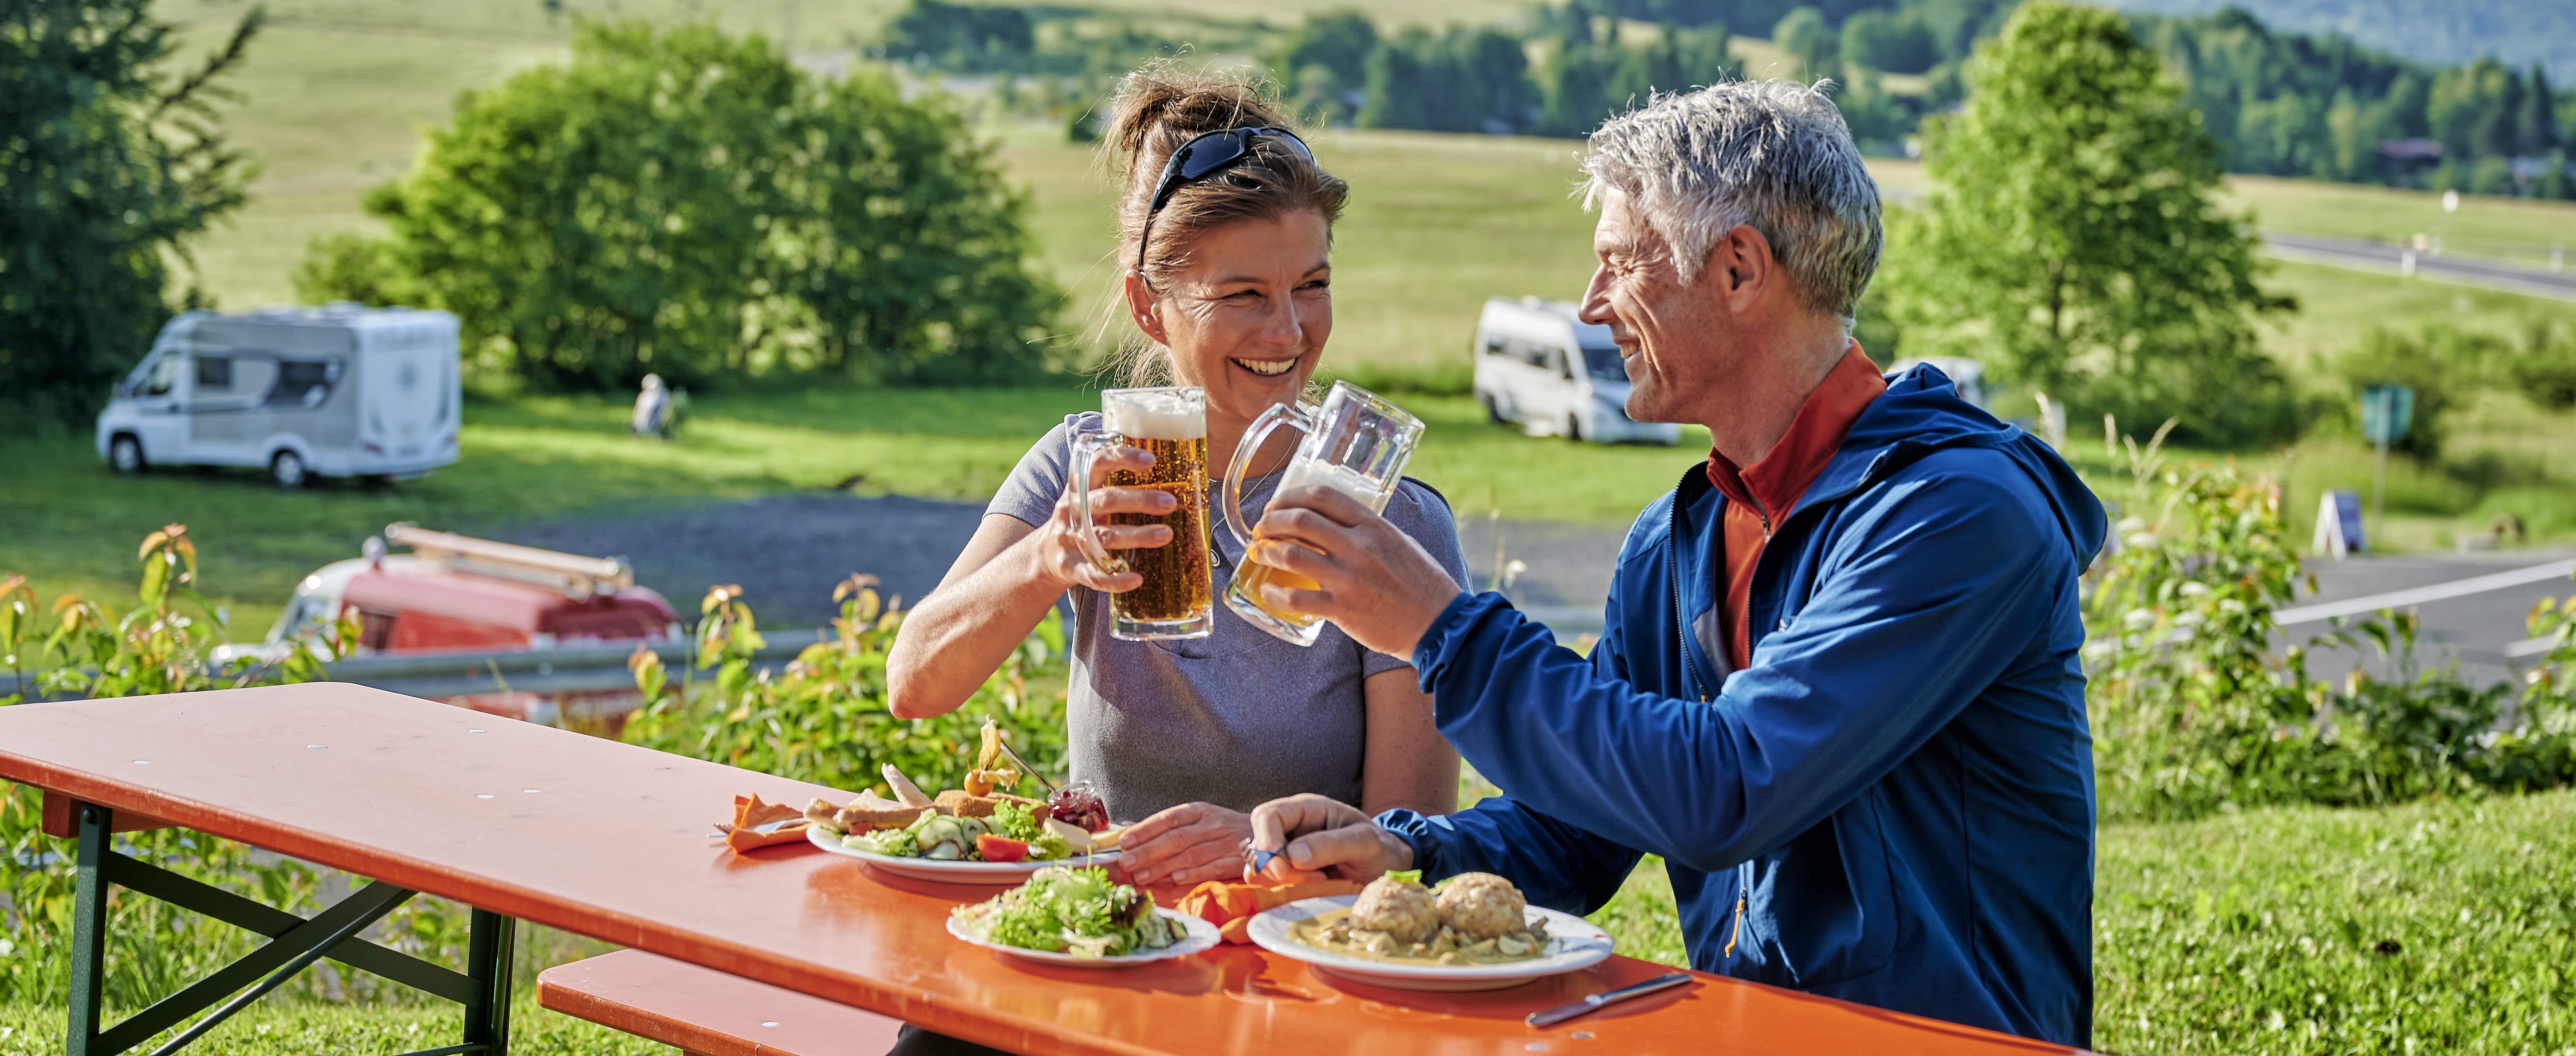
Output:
x,y
1805,35
2074,243
1464,80
686,203
1339,41
1894,41
110,162
2537,124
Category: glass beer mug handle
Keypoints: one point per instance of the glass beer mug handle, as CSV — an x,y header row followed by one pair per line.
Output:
x,y
1086,449
1294,415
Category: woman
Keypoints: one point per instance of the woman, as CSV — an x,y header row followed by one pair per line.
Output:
x,y
1230,282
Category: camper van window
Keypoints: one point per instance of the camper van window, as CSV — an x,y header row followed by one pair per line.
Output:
x,y
297,378
1603,362
214,372
158,376
1493,346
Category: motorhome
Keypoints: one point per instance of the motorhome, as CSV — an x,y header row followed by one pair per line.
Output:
x,y
1556,375
340,391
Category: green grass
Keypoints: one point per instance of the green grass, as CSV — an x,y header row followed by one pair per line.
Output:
x,y
295,1022
307,1029
2436,927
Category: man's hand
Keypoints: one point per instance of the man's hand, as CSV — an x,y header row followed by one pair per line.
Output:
x,y
1320,835
1188,844
1374,581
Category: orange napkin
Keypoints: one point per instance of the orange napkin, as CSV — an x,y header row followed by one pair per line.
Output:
x,y
1231,907
749,813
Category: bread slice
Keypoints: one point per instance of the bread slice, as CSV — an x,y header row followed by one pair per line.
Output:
x,y
858,817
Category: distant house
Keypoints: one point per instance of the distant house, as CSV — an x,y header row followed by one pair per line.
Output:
x,y
2403,159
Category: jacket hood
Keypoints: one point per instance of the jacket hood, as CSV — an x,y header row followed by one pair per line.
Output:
x,y
1920,413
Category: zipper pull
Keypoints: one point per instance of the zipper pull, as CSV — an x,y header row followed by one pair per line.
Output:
x,y
1739,926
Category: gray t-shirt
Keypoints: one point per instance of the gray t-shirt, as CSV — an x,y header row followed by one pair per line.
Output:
x,y
1237,718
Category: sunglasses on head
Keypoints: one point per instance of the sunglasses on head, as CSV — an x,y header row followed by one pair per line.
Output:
x,y
1203,156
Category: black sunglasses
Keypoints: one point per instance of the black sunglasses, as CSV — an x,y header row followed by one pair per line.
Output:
x,y
1203,156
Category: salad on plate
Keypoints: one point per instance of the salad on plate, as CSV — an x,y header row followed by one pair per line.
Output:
x,y
1078,912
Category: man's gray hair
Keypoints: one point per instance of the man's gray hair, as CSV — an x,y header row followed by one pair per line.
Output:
x,y
1772,154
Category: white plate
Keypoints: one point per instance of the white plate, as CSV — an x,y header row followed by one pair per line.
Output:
x,y
952,872
1201,936
1573,944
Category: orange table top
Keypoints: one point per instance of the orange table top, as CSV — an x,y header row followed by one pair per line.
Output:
x,y
610,840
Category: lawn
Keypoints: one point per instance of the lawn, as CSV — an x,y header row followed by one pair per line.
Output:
x,y
2436,927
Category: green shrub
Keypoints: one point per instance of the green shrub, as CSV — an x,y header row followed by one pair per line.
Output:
x,y
84,647
688,203
824,718
2193,710
2546,373
2443,365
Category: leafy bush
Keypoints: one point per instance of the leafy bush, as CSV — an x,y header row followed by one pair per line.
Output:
x,y
2546,373
2444,366
84,647
687,203
2194,711
824,719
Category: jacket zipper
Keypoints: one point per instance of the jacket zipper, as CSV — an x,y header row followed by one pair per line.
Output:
x,y
1681,632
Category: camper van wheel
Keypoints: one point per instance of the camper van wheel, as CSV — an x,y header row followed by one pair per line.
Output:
x,y
1573,429
1493,411
287,468
125,454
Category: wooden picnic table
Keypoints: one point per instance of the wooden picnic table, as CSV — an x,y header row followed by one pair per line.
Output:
x,y
611,841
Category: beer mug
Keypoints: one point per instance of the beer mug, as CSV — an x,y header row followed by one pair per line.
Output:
x,y
1356,444
1171,424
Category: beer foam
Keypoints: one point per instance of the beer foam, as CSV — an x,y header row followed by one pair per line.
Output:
x,y
1155,416
1314,473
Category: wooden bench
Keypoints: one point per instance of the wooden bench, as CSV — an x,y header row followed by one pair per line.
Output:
x,y
704,1012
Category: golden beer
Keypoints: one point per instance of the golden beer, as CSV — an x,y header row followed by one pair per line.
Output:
x,y
1176,573
1176,599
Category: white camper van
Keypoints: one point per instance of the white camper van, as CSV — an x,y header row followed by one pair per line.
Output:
x,y
1967,374
1538,365
341,391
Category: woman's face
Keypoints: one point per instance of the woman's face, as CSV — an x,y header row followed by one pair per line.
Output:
x,y
1248,317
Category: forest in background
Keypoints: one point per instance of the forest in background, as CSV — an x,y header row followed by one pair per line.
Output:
x,y
2279,103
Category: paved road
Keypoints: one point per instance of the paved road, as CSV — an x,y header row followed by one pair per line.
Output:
x,y
2388,258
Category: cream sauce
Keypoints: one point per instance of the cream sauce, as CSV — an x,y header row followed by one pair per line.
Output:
x,y
1313,932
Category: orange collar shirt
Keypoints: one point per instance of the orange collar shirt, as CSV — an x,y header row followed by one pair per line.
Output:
x,y
1760,495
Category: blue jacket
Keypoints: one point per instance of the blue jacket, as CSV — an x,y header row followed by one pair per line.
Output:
x,y
1899,789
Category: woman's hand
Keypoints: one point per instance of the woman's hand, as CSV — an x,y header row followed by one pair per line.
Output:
x,y
1059,545
1188,844
1319,835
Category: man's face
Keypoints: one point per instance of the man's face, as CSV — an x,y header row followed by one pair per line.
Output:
x,y
1673,339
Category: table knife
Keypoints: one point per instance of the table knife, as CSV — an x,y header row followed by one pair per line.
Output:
x,y
1561,1013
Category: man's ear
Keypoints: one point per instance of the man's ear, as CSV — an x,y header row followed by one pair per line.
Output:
x,y
1140,307
1742,265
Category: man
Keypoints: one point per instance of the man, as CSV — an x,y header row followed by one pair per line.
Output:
x,y
1838,686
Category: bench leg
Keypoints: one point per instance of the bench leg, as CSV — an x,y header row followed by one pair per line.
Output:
x,y
487,963
89,930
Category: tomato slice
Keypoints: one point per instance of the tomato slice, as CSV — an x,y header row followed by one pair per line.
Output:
x,y
1000,848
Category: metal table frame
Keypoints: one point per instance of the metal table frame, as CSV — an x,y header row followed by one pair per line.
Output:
x,y
294,944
